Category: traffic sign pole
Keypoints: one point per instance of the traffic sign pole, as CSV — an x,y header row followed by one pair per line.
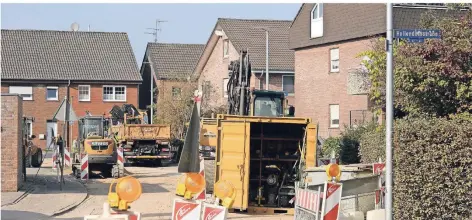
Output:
x,y
389,116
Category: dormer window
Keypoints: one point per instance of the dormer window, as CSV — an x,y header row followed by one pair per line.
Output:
x,y
317,21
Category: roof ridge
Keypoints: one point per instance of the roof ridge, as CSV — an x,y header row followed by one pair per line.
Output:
x,y
250,19
157,43
64,31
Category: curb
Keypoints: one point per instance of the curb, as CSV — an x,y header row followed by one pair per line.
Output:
x,y
73,206
28,190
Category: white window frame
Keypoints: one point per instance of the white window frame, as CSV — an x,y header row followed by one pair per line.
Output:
x,y
89,95
23,93
57,93
332,58
225,48
317,22
114,93
290,94
333,116
225,87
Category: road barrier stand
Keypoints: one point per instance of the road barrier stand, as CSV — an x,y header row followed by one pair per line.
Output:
x,y
186,209
84,168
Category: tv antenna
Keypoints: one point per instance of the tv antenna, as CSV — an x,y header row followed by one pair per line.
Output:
x,y
156,29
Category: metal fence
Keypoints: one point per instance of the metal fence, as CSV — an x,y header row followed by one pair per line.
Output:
x,y
361,202
358,117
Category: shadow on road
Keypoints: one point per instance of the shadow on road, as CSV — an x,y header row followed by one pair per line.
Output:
x,y
15,215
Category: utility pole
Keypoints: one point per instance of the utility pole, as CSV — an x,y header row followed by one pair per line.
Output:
x,y
157,29
389,116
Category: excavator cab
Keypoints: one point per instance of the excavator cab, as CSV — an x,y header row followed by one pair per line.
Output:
x,y
270,104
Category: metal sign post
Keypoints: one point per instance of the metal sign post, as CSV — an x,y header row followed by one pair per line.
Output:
x,y
389,116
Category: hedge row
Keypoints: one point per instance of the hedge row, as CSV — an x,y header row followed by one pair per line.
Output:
x,y
433,169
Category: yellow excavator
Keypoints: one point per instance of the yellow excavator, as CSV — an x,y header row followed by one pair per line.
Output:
x,y
100,146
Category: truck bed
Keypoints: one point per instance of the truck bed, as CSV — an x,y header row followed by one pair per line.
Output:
x,y
142,131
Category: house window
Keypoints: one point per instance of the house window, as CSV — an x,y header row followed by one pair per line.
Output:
x,y
84,93
114,93
317,21
51,93
226,48
225,87
24,91
334,116
288,84
176,92
334,60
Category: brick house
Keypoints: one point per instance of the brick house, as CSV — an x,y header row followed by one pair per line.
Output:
x,y
230,36
326,49
168,65
39,65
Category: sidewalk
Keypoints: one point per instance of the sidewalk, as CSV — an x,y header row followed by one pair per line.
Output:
x,y
42,195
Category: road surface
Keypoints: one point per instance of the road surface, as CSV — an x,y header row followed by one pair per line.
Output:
x,y
158,184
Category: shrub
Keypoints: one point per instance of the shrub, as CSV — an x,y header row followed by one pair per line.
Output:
x,y
330,144
372,144
433,168
350,141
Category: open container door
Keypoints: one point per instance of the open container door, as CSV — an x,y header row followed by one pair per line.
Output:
x,y
311,144
233,158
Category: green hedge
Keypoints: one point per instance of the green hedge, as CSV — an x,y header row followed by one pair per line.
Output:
x,y
433,169
372,144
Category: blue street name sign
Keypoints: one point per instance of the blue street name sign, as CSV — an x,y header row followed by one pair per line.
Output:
x,y
416,33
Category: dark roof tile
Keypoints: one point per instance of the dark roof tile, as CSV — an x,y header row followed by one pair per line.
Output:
x,y
246,34
67,55
174,60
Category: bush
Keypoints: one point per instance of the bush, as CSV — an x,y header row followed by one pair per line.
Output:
x,y
433,168
350,141
372,144
330,144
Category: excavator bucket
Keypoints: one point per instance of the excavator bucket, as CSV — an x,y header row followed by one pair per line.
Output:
x,y
190,159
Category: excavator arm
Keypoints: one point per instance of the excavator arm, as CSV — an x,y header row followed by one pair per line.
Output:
x,y
238,85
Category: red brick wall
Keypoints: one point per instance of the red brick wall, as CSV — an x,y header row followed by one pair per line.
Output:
x,y
43,109
317,88
12,158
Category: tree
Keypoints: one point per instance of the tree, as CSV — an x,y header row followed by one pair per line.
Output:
x,y
434,77
174,105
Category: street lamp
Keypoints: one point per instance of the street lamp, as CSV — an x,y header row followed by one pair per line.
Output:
x,y
267,55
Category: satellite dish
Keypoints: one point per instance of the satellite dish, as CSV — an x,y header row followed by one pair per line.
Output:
x,y
74,26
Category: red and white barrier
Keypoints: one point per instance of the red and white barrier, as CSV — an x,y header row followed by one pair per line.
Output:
x,y
201,195
84,168
308,199
120,158
186,209
332,198
67,160
214,212
54,159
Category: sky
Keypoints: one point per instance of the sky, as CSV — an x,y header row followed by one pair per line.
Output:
x,y
186,23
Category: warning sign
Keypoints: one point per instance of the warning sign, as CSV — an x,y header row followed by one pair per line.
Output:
x,y
186,210
212,212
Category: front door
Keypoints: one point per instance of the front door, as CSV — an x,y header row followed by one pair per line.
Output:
x,y
51,131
